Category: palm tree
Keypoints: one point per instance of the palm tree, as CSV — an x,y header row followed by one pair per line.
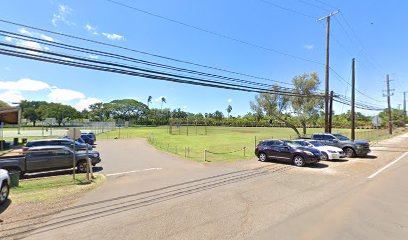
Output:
x,y
229,109
163,100
149,100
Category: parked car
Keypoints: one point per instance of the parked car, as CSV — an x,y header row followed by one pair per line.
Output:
x,y
57,142
47,158
87,138
4,186
288,151
328,152
92,135
351,148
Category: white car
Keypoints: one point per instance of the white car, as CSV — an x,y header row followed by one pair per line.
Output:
x,y
5,186
329,152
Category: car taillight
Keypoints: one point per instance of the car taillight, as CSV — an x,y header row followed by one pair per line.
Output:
x,y
25,149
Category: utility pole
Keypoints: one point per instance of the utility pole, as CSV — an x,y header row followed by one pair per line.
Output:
x,y
388,95
353,100
331,112
404,104
327,88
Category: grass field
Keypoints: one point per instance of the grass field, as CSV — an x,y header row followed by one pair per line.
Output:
x,y
222,143
52,188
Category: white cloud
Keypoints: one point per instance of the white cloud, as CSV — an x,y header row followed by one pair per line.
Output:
x,y
8,39
34,34
25,32
84,103
309,47
48,38
61,16
93,56
159,99
113,36
30,44
229,100
64,95
11,96
185,107
24,84
91,29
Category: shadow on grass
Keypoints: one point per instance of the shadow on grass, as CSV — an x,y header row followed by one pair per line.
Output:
x,y
55,173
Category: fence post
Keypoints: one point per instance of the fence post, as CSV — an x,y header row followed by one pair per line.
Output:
x,y
244,151
255,141
205,155
185,152
188,151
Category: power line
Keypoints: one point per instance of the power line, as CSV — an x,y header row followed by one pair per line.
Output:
x,y
140,52
315,6
339,77
121,57
115,66
215,33
285,9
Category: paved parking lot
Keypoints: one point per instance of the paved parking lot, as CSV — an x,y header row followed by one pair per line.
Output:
x,y
154,195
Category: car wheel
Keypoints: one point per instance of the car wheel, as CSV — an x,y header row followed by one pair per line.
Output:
x,y
325,157
263,157
82,167
4,192
349,152
299,161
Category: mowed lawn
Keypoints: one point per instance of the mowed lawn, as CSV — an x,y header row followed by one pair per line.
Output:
x,y
221,143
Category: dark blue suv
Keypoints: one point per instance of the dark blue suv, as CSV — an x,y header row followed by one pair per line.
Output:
x,y
87,138
287,151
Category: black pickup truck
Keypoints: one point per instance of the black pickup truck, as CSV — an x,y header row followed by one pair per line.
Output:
x,y
48,158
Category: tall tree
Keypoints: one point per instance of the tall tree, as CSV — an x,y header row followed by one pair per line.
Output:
x,y
33,110
163,100
3,104
149,100
99,111
127,109
229,110
305,108
274,105
60,112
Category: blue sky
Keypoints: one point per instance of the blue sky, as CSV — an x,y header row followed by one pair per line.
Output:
x,y
376,39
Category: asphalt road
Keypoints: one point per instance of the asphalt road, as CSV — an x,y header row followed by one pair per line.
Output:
x,y
153,195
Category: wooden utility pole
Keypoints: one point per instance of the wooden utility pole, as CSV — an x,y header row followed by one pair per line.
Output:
x,y
353,100
331,112
405,106
327,87
389,104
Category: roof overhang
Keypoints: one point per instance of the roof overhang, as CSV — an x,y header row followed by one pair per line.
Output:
x,y
10,115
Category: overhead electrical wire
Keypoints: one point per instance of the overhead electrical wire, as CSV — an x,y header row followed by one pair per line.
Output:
x,y
285,9
167,76
140,52
126,58
215,33
130,68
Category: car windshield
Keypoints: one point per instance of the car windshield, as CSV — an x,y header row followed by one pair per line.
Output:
x,y
341,137
316,143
